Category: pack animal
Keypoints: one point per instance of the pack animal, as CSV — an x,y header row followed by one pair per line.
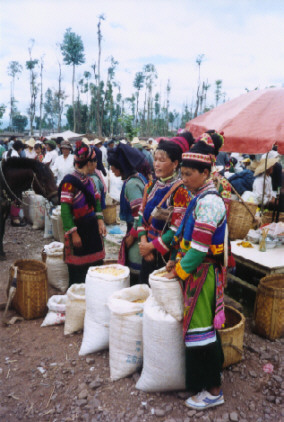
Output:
x,y
18,175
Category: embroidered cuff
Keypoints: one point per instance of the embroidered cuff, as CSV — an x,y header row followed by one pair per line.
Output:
x,y
160,246
133,233
99,215
180,272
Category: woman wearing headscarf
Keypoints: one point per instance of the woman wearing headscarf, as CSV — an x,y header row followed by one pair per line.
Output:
x,y
199,264
98,178
157,222
123,161
64,163
82,216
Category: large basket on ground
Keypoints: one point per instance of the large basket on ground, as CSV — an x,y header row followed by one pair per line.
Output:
x,y
110,214
31,292
232,336
269,307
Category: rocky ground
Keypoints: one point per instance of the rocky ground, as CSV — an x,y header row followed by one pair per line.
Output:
x,y
42,378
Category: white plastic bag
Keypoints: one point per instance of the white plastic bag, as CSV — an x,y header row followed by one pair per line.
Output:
x,y
125,331
56,213
163,351
57,270
167,293
99,287
47,221
56,310
75,308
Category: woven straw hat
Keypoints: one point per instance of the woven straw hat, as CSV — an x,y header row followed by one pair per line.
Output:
x,y
261,166
30,142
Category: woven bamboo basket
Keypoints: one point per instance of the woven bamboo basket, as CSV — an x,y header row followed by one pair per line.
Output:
x,y
31,292
232,336
267,217
269,307
110,214
240,219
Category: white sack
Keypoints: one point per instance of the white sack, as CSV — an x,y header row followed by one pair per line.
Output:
x,y
99,287
125,332
56,213
57,270
167,293
47,221
37,211
56,310
163,351
75,308
26,196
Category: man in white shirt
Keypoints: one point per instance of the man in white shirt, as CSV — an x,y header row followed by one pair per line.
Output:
x,y
64,164
263,178
14,151
30,152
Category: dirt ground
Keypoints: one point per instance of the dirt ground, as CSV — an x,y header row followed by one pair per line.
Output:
x,y
68,387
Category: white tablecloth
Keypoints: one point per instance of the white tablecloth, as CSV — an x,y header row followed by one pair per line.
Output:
x,y
272,258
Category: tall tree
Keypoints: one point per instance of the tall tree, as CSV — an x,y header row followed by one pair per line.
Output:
x,y
19,122
59,98
41,94
138,84
98,79
2,112
31,66
72,50
218,91
14,68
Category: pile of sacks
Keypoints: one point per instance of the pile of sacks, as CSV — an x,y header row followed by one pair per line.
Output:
x,y
141,326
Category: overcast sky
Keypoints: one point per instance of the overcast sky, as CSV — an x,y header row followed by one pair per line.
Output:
x,y
242,42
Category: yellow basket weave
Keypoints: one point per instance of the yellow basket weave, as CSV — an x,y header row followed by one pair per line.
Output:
x,y
110,214
232,336
240,219
31,292
269,307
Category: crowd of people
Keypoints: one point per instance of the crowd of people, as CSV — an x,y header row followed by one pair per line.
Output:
x,y
173,202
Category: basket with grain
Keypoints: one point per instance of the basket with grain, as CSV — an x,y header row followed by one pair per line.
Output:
x,y
232,336
269,307
31,292
109,214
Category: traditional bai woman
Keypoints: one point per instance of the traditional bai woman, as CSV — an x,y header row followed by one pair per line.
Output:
x,y
199,264
123,161
82,216
157,225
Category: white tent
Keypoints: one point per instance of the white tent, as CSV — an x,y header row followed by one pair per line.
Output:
x,y
65,135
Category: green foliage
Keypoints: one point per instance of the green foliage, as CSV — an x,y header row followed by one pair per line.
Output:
x,y
2,112
19,122
72,48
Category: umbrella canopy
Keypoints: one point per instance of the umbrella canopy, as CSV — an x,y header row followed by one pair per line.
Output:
x,y
65,135
251,123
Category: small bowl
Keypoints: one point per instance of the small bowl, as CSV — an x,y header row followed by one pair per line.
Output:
x,y
270,244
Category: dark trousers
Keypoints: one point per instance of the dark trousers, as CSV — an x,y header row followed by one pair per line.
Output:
x,y
148,267
204,366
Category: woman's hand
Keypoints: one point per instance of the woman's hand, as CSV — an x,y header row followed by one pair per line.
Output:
x,y
76,240
170,275
170,265
145,248
102,227
150,257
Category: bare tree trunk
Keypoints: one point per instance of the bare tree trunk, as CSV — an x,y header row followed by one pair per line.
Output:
x,y
41,95
73,103
59,99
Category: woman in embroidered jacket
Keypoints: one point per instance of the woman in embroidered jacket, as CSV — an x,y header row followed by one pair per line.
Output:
x,y
82,216
155,234
199,263
124,160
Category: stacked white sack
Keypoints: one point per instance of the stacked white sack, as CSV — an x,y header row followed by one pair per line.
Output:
x,y
167,293
99,287
75,308
57,270
56,310
125,332
163,351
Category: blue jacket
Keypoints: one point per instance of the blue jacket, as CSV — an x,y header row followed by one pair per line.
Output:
x,y
242,181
